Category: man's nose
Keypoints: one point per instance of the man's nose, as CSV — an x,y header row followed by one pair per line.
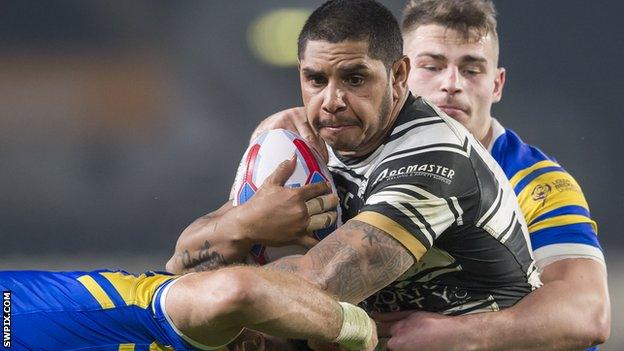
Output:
x,y
334,99
452,82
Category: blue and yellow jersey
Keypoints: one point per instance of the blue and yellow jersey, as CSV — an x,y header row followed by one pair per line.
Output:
x,y
551,200
99,310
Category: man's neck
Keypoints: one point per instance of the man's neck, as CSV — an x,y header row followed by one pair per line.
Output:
x,y
486,140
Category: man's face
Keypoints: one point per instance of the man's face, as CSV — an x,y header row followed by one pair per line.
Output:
x,y
458,75
347,95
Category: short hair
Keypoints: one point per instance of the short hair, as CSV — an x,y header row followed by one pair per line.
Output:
x,y
343,20
468,17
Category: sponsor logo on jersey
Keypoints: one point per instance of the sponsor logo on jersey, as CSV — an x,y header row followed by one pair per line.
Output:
x,y
565,185
540,192
434,171
6,319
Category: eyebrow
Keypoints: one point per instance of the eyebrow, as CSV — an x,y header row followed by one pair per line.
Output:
x,y
347,69
354,68
466,58
310,72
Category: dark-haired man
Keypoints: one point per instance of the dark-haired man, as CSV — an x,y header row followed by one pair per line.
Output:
x,y
431,222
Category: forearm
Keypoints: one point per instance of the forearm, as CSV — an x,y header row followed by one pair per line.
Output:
x,y
352,263
570,312
225,301
211,241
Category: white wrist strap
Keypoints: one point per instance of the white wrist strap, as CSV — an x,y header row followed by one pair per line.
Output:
x,y
356,332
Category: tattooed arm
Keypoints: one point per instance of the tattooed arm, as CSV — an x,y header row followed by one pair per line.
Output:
x,y
275,216
207,244
352,263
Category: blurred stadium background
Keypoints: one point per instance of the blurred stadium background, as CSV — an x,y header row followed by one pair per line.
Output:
x,y
122,121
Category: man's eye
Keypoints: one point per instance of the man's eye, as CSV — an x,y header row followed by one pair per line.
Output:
x,y
317,81
355,80
472,71
431,68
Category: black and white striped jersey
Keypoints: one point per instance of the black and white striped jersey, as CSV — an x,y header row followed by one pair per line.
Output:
x,y
435,189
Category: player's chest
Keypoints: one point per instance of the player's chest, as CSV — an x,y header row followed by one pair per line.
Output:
x,y
351,190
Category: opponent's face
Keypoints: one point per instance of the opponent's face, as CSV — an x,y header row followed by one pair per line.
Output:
x,y
458,75
348,95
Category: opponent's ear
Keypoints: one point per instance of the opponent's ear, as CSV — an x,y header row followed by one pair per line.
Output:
x,y
499,83
399,73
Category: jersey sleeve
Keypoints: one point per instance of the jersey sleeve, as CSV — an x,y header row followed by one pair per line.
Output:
x,y
556,213
416,198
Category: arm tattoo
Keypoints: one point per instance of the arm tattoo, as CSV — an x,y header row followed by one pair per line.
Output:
x,y
205,260
370,234
353,262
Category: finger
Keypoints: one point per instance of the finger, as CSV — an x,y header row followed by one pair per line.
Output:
x,y
313,190
306,241
283,171
321,204
391,316
322,221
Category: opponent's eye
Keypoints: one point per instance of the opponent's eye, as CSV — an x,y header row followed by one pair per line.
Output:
x,y
472,71
432,68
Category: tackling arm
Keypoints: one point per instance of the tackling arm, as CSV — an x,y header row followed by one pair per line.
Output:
x,y
571,311
225,301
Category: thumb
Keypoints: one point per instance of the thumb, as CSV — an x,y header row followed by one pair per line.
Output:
x,y
283,171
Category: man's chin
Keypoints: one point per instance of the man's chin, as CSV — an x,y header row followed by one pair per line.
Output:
x,y
340,145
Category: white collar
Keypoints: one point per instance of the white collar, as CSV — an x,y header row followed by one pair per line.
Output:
x,y
497,131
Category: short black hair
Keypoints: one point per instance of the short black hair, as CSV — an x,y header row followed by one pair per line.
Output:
x,y
342,20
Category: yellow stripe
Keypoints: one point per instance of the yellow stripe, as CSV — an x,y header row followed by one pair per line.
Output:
x,y
523,173
158,347
126,347
136,291
395,230
96,290
562,220
532,208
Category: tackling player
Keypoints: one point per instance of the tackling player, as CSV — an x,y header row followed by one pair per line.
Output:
x,y
114,310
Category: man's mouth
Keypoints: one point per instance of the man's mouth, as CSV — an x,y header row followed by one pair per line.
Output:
x,y
452,110
337,127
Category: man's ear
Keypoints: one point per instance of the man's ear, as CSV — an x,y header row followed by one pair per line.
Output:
x,y
400,72
499,83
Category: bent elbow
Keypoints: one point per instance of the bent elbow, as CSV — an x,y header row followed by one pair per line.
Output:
x,y
603,325
598,330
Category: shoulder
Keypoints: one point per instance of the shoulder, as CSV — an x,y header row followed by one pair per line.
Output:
x,y
551,200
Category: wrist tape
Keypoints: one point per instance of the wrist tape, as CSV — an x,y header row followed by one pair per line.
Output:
x,y
356,332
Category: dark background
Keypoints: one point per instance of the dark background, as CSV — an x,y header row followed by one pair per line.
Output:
x,y
122,121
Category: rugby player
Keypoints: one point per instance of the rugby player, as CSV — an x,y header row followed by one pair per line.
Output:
x,y
453,48
114,310
431,222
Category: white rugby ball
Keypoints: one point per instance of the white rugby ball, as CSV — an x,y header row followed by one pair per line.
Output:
x,y
262,157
